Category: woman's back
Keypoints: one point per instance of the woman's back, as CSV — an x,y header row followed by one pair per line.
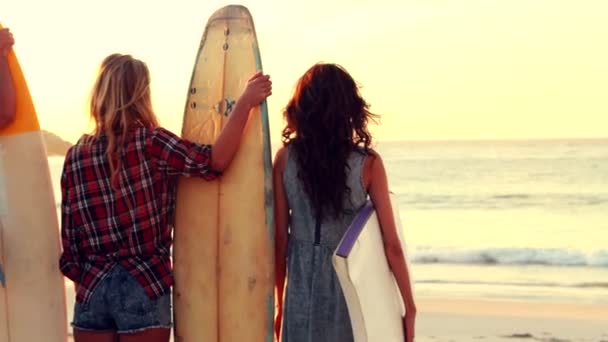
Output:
x,y
128,224
315,309
303,221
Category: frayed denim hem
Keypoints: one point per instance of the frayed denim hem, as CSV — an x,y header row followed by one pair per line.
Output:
x,y
130,331
134,331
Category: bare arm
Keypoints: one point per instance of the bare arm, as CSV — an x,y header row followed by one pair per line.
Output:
x,y
8,102
258,88
176,156
377,185
69,262
281,221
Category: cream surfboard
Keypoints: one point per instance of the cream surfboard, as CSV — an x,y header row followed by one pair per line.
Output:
x,y
32,291
223,251
372,296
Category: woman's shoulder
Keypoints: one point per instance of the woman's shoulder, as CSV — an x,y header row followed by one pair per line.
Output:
x,y
75,151
369,155
371,166
280,158
85,139
85,142
158,133
367,151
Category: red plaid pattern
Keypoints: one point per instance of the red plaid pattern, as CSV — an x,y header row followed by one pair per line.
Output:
x,y
131,226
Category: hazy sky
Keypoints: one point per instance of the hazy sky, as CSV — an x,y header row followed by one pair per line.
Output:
x,y
434,69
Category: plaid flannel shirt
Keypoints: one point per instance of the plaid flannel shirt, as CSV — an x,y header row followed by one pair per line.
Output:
x,y
131,225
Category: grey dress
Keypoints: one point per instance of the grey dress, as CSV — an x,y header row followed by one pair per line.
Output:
x,y
315,309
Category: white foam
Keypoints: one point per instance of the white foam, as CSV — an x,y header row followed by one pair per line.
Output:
x,y
512,256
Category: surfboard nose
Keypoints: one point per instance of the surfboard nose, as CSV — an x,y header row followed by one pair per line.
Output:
x,y
231,12
25,119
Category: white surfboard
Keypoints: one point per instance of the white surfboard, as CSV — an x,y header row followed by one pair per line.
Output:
x,y
372,296
32,290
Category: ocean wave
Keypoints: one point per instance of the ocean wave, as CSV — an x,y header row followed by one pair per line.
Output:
x,y
511,196
500,201
511,256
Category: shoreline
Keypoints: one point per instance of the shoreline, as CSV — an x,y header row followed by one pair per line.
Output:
x,y
515,308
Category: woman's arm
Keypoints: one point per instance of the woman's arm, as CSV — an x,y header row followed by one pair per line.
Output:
x,y
377,185
281,223
258,88
176,156
69,262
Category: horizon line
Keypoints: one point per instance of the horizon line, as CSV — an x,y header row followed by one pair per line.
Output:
x,y
429,140
419,140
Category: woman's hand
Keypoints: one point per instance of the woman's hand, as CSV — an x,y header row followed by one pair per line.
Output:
x,y
258,88
6,41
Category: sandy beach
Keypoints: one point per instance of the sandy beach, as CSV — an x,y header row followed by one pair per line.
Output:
x,y
479,320
476,320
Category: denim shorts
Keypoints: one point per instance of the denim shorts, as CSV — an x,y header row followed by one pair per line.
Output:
x,y
119,303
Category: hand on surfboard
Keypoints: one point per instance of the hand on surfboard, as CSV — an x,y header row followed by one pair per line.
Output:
x,y
6,41
258,88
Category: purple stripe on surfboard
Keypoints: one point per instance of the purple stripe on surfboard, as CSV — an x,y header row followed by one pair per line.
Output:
x,y
355,229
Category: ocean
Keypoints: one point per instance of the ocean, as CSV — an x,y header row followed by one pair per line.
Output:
x,y
499,220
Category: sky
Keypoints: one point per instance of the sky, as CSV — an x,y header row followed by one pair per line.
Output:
x,y
433,69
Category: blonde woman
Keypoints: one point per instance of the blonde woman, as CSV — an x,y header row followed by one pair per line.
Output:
x,y
118,198
7,88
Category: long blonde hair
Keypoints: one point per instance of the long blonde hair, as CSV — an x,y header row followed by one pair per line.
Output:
x,y
120,99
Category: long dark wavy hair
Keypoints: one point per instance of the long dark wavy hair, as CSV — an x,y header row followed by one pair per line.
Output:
x,y
326,120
